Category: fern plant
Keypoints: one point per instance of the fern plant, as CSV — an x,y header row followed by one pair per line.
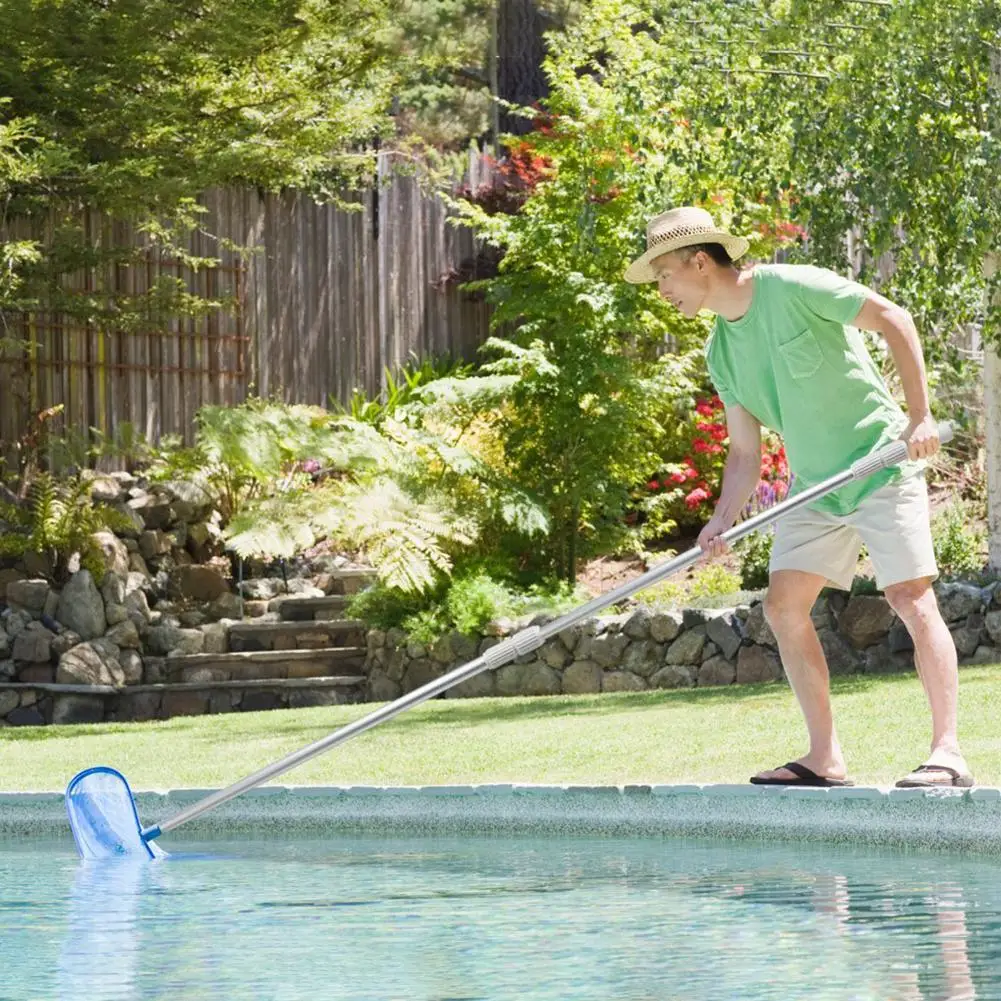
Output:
x,y
58,522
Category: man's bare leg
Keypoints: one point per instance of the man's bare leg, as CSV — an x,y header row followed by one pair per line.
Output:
x,y
788,603
935,660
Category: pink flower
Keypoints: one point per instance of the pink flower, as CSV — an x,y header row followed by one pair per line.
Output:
x,y
696,497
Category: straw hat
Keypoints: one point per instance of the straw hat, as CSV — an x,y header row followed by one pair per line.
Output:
x,y
679,228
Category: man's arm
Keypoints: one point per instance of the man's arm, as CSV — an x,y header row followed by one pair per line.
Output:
x,y
897,328
741,474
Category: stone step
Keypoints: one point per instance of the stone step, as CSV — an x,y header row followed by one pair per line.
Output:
x,y
315,635
55,703
350,580
292,609
259,664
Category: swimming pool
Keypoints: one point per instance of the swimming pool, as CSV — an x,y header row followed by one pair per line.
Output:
x,y
456,918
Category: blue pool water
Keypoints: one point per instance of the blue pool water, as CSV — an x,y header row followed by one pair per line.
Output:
x,y
499,919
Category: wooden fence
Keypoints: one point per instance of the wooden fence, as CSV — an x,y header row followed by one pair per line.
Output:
x,y
326,300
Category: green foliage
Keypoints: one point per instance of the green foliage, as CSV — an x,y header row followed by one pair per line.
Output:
x,y
466,603
755,550
960,546
402,388
58,522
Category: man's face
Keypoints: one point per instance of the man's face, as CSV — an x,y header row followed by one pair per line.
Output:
x,y
681,280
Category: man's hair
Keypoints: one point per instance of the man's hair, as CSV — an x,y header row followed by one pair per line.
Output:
x,y
716,252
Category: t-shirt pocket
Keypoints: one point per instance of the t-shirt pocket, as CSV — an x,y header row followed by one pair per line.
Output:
x,y
802,354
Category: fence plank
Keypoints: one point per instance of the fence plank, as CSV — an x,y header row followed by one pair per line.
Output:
x,y
328,298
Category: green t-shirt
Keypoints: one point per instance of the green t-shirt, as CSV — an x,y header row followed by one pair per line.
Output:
x,y
794,361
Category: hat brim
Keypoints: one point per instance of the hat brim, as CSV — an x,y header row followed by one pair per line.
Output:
x,y
640,271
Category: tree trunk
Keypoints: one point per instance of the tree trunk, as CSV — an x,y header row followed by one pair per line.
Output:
x,y
520,51
992,421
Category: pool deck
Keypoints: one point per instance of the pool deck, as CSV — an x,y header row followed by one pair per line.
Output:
x,y
966,820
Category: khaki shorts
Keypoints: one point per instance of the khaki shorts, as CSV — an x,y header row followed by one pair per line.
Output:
x,y
893,522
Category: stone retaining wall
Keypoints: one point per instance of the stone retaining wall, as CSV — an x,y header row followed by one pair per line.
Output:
x,y
646,649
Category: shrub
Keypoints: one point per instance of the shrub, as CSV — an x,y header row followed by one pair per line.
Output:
x,y
755,550
960,549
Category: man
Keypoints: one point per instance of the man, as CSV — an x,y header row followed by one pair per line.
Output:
x,y
785,352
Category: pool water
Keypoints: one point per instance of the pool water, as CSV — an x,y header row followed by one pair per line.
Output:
x,y
498,918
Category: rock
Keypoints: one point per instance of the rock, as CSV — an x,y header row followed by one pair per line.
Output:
x,y
255,609
611,623
866,620
643,657
189,641
26,716
880,659
821,614
262,588
132,666
637,626
77,709
985,655
81,607
463,647
7,669
113,588
605,650
717,671
442,650
186,704
66,640
192,618
179,536
395,662
28,594
415,650
756,627
622,681
91,663
105,490
757,663
480,686
572,636
137,565
687,648
116,614
957,601
673,676
533,678
216,637
33,645
114,553
665,626
41,564
724,631
154,510
6,576
132,523
382,688
137,608
16,621
555,654
420,672
196,583
124,634
899,639
692,617
139,706
583,677
226,606
163,638
8,700
153,543
51,609
709,651
841,657
992,622
4,644
966,640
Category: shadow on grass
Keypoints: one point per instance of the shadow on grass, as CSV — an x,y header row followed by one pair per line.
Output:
x,y
310,723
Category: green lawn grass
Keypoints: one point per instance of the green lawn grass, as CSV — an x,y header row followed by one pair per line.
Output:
x,y
697,735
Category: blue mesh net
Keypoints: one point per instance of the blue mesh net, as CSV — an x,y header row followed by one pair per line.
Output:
x,y
103,816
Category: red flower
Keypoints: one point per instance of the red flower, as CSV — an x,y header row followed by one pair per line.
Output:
x,y
653,485
696,497
705,408
679,477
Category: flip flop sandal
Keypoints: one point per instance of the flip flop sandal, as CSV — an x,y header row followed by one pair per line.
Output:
x,y
804,777
957,779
